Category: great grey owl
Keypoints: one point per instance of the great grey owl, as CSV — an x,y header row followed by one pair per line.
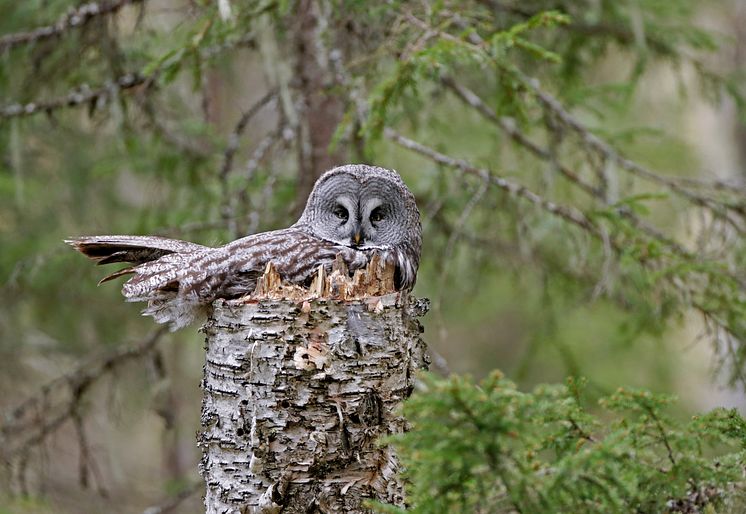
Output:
x,y
353,210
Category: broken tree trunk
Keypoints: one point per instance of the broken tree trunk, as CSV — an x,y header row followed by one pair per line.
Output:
x,y
299,385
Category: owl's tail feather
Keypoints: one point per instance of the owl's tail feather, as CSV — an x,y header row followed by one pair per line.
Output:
x,y
117,274
132,249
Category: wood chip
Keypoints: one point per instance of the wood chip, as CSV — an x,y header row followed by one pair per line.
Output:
x,y
335,283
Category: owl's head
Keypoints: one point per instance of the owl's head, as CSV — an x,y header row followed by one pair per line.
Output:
x,y
364,207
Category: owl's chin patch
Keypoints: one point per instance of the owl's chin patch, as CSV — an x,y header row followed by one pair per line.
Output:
x,y
369,247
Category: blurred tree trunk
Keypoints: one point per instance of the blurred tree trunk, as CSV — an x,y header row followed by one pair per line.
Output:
x,y
321,110
295,399
739,18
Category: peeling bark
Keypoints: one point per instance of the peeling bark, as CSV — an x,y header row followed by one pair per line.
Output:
x,y
298,391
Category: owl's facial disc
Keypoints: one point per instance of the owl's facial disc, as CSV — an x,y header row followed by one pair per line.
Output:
x,y
357,223
364,211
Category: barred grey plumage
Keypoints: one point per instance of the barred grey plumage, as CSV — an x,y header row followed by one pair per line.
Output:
x,y
353,210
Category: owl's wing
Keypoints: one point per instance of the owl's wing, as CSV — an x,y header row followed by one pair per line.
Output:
x,y
406,257
178,279
295,254
178,286
232,271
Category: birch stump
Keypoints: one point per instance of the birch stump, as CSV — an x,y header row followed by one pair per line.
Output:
x,y
299,386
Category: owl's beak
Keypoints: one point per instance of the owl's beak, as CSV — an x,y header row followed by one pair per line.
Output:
x,y
357,237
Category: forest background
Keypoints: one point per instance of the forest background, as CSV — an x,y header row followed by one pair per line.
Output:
x,y
579,165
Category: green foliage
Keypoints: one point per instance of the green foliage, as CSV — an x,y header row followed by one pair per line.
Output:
x,y
398,56
447,54
627,259
489,447
515,284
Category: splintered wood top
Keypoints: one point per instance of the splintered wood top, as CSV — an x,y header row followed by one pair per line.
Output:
x,y
376,279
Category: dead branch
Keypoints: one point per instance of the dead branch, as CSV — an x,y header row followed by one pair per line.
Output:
x,y
511,129
25,426
260,154
566,212
85,95
233,139
227,209
75,18
193,147
81,95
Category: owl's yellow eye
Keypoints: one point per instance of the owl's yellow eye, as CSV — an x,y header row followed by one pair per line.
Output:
x,y
376,215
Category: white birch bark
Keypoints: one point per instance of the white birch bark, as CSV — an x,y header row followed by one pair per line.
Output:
x,y
296,395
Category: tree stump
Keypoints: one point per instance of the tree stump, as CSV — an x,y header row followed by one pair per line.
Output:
x,y
299,386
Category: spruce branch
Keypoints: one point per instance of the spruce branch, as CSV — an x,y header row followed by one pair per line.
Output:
x,y
84,94
608,152
685,285
75,18
599,29
590,140
510,127
566,212
547,464
81,95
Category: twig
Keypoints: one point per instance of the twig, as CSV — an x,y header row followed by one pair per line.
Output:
x,y
84,94
227,210
592,141
18,434
509,127
75,18
662,433
85,456
258,156
81,95
233,139
720,185
243,41
567,213
196,149
454,237
579,430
